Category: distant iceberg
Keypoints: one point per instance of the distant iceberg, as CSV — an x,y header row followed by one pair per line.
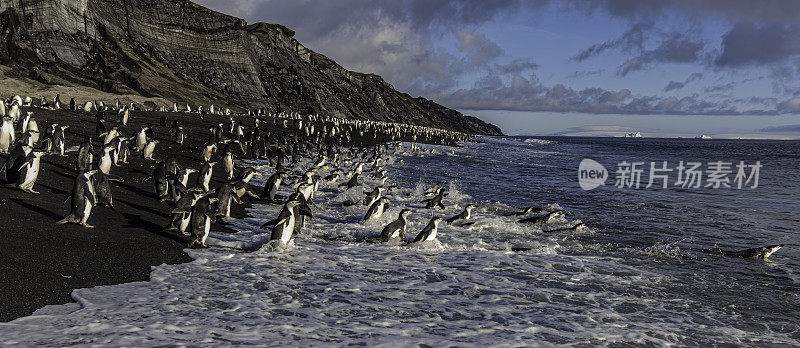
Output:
x,y
703,137
633,135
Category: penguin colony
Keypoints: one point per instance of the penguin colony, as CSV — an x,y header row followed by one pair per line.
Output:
x,y
337,145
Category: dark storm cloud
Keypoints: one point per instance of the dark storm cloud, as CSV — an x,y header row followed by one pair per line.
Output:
x,y
751,43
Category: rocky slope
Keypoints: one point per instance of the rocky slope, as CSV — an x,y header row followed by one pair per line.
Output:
x,y
184,52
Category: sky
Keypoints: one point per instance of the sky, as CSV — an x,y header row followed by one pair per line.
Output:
x,y
725,68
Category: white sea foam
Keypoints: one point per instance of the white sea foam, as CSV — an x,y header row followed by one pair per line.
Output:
x,y
331,288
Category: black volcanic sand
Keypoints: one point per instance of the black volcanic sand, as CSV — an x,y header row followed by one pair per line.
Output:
x,y
42,263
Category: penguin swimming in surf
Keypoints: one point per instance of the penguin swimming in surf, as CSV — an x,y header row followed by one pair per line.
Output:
x,y
428,233
542,219
376,210
436,201
760,253
464,215
395,232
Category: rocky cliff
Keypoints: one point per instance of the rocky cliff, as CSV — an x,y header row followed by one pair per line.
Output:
x,y
184,52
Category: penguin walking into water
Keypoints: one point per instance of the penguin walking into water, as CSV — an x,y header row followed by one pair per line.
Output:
x,y
201,218
428,233
225,197
376,210
283,228
395,232
271,187
83,200
436,201
182,213
464,215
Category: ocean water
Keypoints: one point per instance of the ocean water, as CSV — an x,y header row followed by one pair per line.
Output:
x,y
639,275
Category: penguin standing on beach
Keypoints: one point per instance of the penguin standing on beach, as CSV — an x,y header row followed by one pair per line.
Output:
x,y
227,163
6,134
149,149
9,172
85,156
204,179
83,199
102,190
58,140
29,171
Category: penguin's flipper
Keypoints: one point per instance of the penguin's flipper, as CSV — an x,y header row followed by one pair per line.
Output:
x,y
270,223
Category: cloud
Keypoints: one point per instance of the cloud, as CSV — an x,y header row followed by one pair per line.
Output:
x,y
791,128
479,50
528,94
675,85
517,66
632,39
399,40
672,48
749,43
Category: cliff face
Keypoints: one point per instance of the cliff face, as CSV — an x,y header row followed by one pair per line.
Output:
x,y
187,53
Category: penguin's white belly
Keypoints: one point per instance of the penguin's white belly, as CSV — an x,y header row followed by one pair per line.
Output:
x,y
87,209
430,236
206,230
31,175
185,220
105,165
288,229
